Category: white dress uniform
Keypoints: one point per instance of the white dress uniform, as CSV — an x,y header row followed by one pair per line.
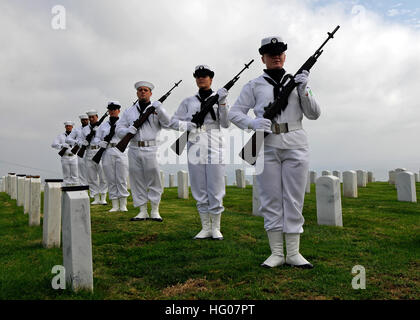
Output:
x,y
286,157
95,174
206,163
75,137
115,166
68,161
143,166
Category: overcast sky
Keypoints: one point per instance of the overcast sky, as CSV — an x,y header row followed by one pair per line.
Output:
x,y
366,81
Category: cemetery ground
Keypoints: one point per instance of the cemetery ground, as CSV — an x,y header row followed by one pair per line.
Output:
x,y
151,260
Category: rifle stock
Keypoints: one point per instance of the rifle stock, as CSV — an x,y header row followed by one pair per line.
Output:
x,y
250,151
62,152
97,157
75,149
89,137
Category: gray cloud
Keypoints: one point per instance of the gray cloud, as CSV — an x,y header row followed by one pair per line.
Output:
x,y
366,81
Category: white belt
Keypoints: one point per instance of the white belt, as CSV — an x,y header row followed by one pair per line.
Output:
x,y
209,126
68,154
147,143
285,127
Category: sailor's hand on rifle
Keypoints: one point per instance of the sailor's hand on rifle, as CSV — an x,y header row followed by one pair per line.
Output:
x,y
132,129
157,105
103,144
260,124
85,143
302,80
223,93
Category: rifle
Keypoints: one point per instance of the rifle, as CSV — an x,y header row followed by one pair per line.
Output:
x,y
62,151
252,148
89,137
122,145
198,118
97,157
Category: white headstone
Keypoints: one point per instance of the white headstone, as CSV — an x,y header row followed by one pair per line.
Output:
x,y
326,173
6,185
416,177
225,180
171,180
400,170
13,186
27,191
20,190
308,184
312,175
240,178
392,175
35,207
338,175
77,242
51,223
350,184
328,201
183,184
361,178
255,197
162,179
370,177
3,184
406,187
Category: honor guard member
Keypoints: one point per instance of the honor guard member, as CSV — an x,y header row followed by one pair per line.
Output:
x,y
114,162
75,138
68,160
286,157
95,174
143,166
207,172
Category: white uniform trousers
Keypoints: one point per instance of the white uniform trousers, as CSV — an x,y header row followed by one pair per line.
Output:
x,y
95,174
208,186
115,166
144,175
70,172
82,171
281,187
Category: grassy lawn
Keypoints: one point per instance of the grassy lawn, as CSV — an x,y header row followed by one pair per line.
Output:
x,y
151,260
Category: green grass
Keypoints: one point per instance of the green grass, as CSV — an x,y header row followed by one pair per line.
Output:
x,y
151,260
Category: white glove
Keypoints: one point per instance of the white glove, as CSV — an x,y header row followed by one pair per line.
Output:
x,y
95,128
157,105
223,93
65,145
302,80
260,124
103,144
85,143
132,129
191,126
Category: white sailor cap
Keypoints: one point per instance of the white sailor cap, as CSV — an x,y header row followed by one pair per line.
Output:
x,y
92,112
83,116
273,44
112,105
204,70
144,84
69,123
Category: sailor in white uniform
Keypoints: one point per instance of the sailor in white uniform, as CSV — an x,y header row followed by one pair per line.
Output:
x,y
75,138
143,166
95,174
114,162
286,157
206,170
68,160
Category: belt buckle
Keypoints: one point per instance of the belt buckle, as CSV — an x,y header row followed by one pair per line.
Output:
x,y
142,144
284,128
276,128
